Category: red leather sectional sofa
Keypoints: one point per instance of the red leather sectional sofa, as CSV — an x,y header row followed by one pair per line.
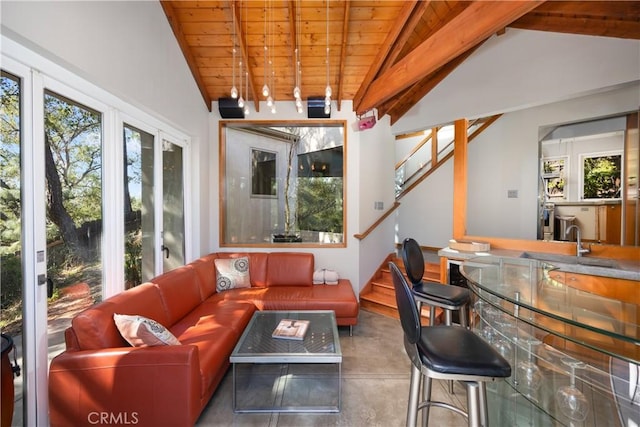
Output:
x,y
100,379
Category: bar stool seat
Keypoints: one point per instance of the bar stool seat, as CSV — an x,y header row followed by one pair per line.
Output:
x,y
448,297
444,295
447,352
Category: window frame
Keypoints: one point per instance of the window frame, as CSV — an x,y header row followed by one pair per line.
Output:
x,y
584,156
222,151
255,169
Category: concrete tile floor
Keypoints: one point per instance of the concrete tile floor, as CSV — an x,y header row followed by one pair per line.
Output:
x,y
375,386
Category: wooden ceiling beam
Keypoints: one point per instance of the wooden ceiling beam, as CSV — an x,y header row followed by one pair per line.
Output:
x,y
608,9
476,23
409,27
422,88
174,22
588,26
592,18
343,52
384,49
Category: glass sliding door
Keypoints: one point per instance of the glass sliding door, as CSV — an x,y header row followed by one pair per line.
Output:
x,y
11,232
73,169
173,222
85,200
139,214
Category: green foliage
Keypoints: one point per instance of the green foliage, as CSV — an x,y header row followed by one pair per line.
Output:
x,y
11,279
320,204
10,206
74,135
133,259
602,177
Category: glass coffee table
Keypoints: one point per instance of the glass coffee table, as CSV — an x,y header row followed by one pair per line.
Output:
x,y
284,375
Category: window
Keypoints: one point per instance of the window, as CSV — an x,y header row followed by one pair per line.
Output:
x,y
601,175
263,173
139,262
553,174
282,183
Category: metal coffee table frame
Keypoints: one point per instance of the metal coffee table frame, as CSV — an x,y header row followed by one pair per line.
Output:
x,y
321,345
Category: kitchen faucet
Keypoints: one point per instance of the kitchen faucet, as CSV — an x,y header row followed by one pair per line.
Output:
x,y
580,250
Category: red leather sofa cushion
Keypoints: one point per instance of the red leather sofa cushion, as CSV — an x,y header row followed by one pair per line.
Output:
x,y
95,329
180,292
290,269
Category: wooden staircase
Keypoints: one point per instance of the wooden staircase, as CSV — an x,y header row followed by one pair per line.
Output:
x,y
378,295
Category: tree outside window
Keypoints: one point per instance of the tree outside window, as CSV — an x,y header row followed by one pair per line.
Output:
x,y
601,176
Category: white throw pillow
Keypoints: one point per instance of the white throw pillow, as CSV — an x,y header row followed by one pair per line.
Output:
x,y
232,273
140,331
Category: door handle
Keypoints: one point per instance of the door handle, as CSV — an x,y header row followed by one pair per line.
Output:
x,y
49,287
166,251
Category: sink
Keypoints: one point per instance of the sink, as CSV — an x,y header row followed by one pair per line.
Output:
x,y
598,262
569,259
552,258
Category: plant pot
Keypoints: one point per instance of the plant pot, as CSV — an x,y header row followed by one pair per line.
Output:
x,y
286,238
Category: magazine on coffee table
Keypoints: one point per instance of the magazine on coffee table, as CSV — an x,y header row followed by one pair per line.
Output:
x,y
291,329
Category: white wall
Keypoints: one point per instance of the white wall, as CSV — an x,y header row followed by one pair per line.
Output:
x,y
521,69
127,49
536,76
505,157
369,175
426,213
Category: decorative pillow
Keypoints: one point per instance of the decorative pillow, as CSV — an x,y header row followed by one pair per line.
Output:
x,y
232,273
140,331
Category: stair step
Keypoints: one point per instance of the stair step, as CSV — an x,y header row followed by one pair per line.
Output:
x,y
431,272
383,287
380,296
385,304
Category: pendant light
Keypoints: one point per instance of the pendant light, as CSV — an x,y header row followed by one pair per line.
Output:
x,y
297,93
245,103
246,83
271,102
327,91
234,89
265,88
241,99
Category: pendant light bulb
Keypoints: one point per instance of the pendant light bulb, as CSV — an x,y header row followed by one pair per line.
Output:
x,y
234,92
269,101
296,92
246,109
298,103
327,101
327,109
299,108
265,90
241,102
327,91
273,109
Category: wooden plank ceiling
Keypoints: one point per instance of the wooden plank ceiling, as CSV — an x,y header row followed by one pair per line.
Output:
x,y
383,54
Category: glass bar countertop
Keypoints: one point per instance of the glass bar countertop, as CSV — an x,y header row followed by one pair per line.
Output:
x,y
526,290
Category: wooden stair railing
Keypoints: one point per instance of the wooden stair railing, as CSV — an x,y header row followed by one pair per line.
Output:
x,y
436,164
373,226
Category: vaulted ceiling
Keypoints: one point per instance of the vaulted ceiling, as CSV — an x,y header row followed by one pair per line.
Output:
x,y
382,54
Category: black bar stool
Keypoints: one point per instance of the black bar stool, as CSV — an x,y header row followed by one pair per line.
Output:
x,y
448,297
447,352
